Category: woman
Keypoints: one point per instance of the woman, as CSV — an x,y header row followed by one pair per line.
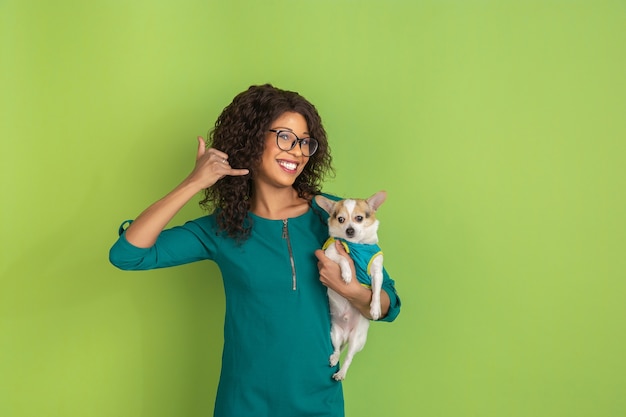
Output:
x,y
267,159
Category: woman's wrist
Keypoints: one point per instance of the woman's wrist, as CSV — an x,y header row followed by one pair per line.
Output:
x,y
362,298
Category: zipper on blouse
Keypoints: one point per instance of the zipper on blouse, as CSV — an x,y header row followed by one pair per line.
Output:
x,y
293,263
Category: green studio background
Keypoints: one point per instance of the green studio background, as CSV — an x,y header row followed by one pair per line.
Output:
x,y
497,128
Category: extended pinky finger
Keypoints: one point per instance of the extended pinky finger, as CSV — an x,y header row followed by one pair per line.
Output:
x,y
238,172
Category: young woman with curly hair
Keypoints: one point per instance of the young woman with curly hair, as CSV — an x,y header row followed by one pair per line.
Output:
x,y
267,158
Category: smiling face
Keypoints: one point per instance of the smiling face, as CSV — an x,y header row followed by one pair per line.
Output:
x,y
280,168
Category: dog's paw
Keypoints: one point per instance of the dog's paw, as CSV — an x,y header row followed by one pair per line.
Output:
x,y
375,311
339,376
346,275
346,271
334,359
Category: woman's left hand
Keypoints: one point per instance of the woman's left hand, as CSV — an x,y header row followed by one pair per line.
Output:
x,y
359,296
330,273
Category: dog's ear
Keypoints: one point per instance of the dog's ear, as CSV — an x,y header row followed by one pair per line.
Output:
x,y
376,200
325,203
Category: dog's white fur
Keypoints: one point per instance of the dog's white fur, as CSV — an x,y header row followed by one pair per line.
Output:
x,y
353,220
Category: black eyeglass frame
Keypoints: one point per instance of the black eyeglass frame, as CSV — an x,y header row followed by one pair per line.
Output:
x,y
297,141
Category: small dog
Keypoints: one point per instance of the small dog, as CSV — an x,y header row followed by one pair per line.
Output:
x,y
353,222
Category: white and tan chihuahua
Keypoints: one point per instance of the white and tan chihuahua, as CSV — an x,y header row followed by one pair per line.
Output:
x,y
353,222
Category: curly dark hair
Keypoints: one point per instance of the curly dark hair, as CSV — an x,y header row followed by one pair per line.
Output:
x,y
240,132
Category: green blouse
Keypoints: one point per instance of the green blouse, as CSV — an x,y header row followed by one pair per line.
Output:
x,y
277,323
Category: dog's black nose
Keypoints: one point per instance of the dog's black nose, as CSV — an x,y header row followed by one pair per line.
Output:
x,y
350,232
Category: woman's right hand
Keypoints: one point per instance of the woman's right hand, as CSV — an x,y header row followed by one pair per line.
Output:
x,y
211,166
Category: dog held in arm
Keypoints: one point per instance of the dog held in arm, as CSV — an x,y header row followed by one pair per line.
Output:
x,y
354,224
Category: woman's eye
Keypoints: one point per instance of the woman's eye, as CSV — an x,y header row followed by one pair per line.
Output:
x,y
285,137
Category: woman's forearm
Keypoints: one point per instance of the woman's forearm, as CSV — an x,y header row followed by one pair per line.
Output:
x,y
362,298
145,229
211,166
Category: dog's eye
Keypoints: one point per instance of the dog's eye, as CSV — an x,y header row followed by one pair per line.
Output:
x,y
341,219
359,218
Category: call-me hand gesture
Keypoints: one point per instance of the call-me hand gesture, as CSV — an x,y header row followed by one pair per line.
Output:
x,y
211,166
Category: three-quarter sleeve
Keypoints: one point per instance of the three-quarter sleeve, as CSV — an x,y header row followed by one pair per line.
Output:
x,y
191,242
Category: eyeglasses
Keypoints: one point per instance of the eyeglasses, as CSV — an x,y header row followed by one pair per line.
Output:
x,y
287,140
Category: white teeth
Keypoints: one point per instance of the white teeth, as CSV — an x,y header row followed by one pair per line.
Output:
x,y
289,165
